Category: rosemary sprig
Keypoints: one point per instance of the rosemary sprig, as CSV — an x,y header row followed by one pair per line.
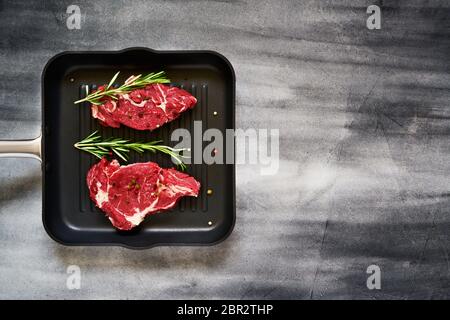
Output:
x,y
132,83
94,145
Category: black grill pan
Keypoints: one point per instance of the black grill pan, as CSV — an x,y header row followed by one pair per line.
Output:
x,y
69,216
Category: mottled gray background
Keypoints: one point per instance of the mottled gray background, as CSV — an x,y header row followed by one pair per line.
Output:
x,y
364,175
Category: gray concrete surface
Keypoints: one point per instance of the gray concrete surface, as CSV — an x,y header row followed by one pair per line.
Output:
x,y
364,174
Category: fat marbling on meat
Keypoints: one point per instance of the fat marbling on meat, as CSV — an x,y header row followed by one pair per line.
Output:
x,y
127,194
143,109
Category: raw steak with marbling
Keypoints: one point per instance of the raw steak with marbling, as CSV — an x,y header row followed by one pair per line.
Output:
x,y
144,109
127,194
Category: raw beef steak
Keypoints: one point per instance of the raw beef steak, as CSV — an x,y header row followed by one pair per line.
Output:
x,y
144,109
129,193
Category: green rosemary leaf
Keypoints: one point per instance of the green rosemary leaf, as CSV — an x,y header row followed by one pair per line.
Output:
x,y
112,80
132,83
95,145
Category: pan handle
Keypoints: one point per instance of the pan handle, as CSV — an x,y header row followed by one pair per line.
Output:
x,y
21,148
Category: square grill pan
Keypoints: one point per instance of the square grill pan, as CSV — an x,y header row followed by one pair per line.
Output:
x,y
69,216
